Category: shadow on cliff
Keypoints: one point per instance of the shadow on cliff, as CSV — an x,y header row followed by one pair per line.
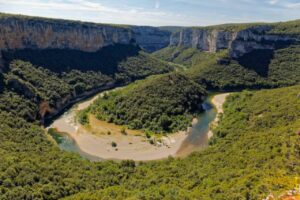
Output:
x,y
257,60
105,60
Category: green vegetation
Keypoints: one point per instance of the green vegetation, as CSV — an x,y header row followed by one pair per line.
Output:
x,y
56,80
188,57
141,66
32,167
18,106
123,130
290,28
83,117
233,27
113,144
163,103
259,69
124,62
36,83
255,151
179,55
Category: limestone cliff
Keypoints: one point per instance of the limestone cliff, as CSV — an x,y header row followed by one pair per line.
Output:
x,y
18,33
238,42
39,33
21,32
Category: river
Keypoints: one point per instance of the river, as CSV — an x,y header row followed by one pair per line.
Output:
x,y
74,138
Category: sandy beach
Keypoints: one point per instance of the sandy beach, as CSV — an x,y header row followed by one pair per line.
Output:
x,y
218,101
97,138
130,146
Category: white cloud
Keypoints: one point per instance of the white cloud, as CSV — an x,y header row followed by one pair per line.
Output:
x,y
273,2
83,5
157,4
293,5
88,10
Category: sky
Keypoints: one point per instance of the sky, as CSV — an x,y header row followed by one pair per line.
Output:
x,y
159,12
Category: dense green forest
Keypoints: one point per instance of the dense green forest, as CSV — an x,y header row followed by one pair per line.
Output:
x,y
56,83
122,62
258,69
255,151
163,103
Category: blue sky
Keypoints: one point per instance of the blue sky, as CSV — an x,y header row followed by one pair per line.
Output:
x,y
159,12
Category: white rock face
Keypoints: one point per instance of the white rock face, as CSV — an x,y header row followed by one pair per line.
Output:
x,y
238,43
202,39
19,33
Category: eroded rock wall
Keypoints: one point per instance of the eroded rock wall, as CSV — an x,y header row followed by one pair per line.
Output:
x,y
41,34
238,43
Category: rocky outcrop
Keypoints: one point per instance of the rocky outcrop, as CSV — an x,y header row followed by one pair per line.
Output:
x,y
239,43
18,33
202,39
39,33
255,38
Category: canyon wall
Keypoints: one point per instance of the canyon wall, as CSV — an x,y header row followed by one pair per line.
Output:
x,y
238,42
21,32
40,33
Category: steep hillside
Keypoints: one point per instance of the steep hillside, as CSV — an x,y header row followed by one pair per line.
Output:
x,y
53,85
258,69
158,104
126,60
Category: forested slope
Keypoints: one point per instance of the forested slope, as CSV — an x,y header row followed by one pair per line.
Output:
x,y
258,69
70,75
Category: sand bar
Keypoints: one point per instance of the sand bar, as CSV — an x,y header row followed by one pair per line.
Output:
x,y
218,101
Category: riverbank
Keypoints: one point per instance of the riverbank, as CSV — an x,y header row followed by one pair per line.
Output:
x,y
107,141
217,101
97,139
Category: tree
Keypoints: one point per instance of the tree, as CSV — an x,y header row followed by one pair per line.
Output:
x,y
165,122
